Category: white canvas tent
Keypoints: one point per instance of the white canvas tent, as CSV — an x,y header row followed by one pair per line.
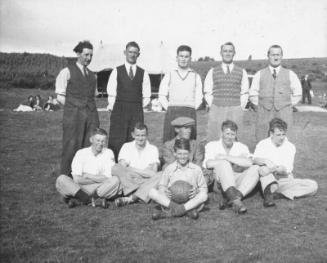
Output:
x,y
155,59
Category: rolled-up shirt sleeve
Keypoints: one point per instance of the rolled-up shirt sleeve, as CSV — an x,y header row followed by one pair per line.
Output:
x,y
208,85
62,81
296,88
254,90
198,91
112,89
146,89
244,89
164,91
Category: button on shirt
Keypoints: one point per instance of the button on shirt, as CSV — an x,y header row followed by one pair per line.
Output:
x,y
282,155
112,86
208,85
63,78
295,86
190,173
216,147
86,162
139,159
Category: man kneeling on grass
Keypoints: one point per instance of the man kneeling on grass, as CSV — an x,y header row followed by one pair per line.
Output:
x,y
92,178
137,167
180,170
275,155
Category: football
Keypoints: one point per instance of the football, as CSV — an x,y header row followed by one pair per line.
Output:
x,y
180,191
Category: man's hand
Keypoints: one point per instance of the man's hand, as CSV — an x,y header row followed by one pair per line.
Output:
x,y
109,109
168,193
220,157
265,170
193,192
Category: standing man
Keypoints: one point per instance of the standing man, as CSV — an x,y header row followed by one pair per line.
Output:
x,y
129,90
75,89
180,92
275,155
306,89
274,90
226,90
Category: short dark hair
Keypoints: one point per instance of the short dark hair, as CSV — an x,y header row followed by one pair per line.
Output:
x,y
133,44
141,126
184,48
227,44
81,45
228,124
277,123
274,46
182,144
99,131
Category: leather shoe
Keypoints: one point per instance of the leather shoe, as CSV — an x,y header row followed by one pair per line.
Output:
x,y
239,207
268,197
73,202
193,214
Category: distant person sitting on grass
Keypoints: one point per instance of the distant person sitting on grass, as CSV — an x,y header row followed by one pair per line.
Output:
x,y
26,106
92,177
275,155
180,170
51,104
138,163
38,103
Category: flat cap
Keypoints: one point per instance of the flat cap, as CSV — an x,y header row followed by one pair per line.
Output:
x,y
183,121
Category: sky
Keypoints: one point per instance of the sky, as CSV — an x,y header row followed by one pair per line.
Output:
x,y
56,26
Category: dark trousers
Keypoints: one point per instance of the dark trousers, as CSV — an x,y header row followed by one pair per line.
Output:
x,y
174,112
77,127
306,94
122,121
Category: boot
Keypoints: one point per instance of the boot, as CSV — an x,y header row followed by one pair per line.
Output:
x,y
268,197
219,196
234,197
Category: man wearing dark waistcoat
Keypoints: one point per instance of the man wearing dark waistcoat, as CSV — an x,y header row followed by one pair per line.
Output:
x,y
275,90
75,89
129,90
226,92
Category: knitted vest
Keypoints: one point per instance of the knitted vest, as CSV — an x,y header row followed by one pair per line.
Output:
x,y
182,90
80,89
275,93
129,90
227,87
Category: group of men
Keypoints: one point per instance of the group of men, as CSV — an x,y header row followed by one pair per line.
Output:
x,y
127,167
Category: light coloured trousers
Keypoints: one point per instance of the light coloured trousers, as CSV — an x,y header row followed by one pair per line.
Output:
x,y
244,181
217,115
133,181
291,187
108,189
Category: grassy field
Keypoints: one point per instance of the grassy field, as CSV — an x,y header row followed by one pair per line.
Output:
x,y
37,227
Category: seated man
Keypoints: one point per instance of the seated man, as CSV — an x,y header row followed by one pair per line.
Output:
x,y
183,128
92,177
137,169
181,169
275,155
232,166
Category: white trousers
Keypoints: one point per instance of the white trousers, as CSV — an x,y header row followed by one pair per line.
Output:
x,y
244,181
67,187
291,187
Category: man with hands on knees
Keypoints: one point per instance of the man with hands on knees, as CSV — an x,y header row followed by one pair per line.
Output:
x,y
275,156
92,178
232,166
180,170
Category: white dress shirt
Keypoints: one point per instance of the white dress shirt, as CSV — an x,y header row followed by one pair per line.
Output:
x,y
63,78
86,162
166,85
208,85
295,86
136,158
112,86
282,155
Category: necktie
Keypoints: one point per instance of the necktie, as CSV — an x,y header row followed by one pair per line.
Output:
x,y
131,74
84,71
274,74
228,70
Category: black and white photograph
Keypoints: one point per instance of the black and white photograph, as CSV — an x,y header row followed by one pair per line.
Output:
x,y
163,131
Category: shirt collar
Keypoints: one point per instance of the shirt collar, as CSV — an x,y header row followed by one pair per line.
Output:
x,y
224,66
80,66
93,152
179,167
128,66
222,145
146,145
188,69
272,69
284,142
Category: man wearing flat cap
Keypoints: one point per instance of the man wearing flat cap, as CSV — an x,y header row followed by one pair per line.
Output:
x,y
76,89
